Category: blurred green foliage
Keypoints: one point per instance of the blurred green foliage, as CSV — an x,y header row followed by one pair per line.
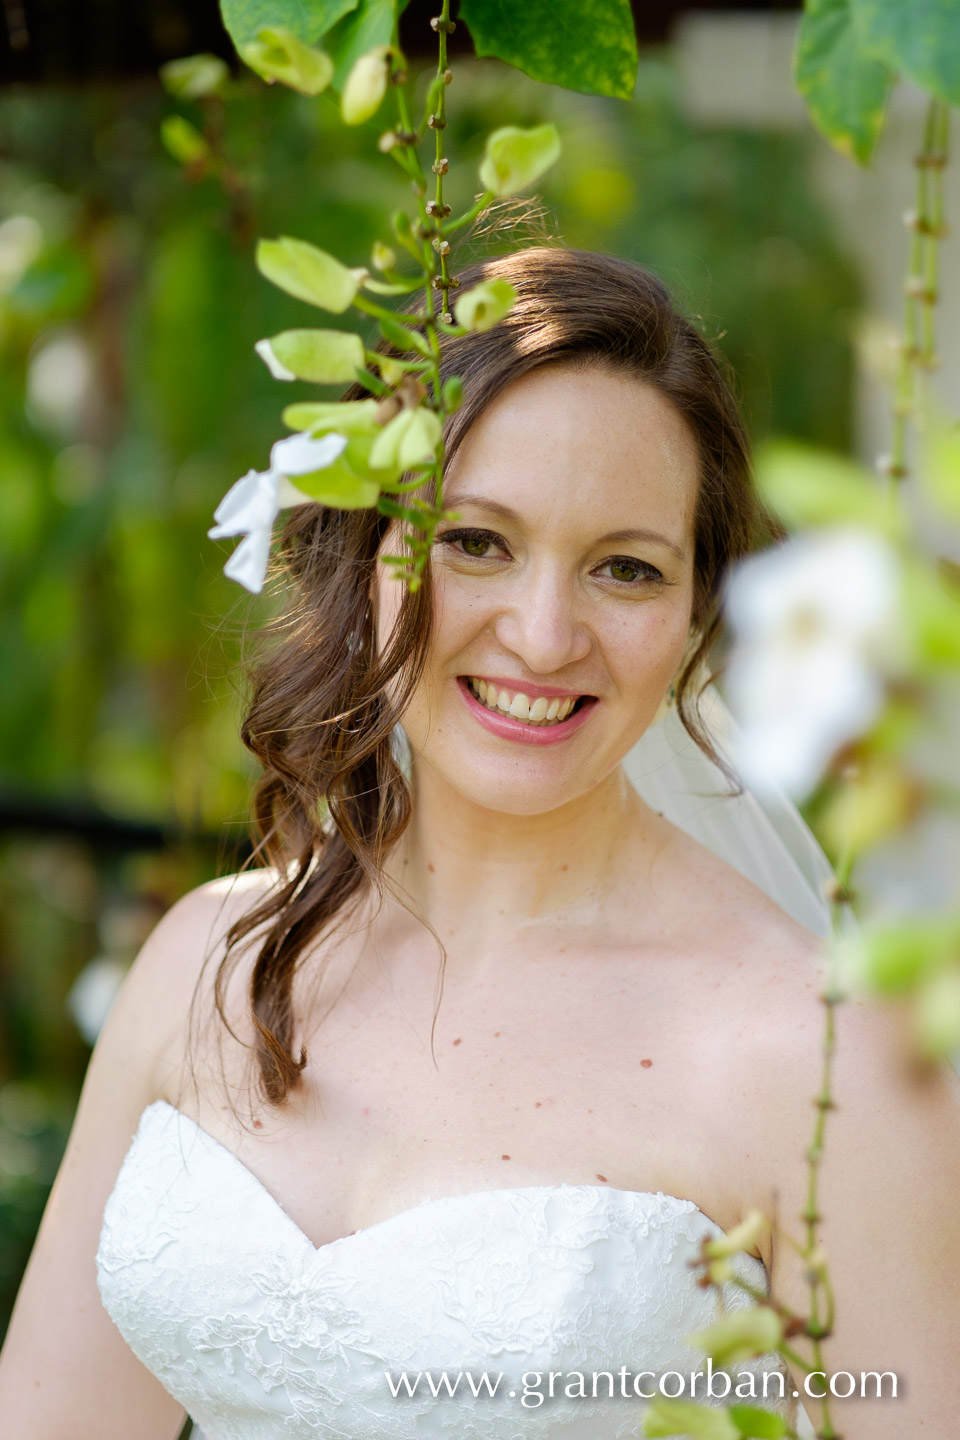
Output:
x,y
131,398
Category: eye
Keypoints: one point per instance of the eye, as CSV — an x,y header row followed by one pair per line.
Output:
x,y
475,543
627,571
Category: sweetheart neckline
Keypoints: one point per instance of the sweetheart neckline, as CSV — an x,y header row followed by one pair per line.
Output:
x,y
428,1201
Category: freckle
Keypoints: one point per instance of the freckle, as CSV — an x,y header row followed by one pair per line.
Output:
x,y
589,1112
646,1064
496,1034
499,912
504,1157
562,952
431,869
564,867
458,1039
602,1177
537,1104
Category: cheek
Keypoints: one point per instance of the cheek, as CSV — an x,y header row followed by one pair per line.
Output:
x,y
645,648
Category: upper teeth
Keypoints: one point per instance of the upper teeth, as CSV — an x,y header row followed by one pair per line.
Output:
x,y
541,711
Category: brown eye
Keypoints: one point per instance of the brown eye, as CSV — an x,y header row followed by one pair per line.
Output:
x,y
628,571
478,544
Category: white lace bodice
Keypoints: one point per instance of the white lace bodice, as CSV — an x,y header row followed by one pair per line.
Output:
x,y
263,1336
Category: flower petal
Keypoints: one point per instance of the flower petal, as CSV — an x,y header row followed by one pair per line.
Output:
x,y
248,563
301,454
248,505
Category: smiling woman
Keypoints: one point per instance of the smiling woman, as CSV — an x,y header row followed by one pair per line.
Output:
x,y
593,398
627,1033
550,632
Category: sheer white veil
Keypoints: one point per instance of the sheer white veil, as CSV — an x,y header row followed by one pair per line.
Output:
x,y
764,837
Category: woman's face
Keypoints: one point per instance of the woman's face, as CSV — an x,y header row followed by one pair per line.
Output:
x,y
563,590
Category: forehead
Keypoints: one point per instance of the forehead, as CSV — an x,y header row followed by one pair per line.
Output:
x,y
587,446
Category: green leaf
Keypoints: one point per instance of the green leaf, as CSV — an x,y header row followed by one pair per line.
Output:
x,y
940,471
931,608
183,141
308,273
584,45
740,1334
485,305
896,957
194,76
309,20
917,38
757,1423
806,486
666,1415
327,357
513,158
402,339
347,417
845,87
936,1016
278,54
339,485
369,24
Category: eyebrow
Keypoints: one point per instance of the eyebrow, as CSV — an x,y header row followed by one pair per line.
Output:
x,y
505,512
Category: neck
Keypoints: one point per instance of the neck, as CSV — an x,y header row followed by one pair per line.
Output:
x,y
480,874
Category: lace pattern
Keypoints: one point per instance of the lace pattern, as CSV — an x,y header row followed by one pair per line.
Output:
x,y
262,1336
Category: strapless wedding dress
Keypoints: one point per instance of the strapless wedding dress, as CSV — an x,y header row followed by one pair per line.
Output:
x,y
263,1336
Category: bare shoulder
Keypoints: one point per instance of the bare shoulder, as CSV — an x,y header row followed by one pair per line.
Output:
x,y
65,1368
179,963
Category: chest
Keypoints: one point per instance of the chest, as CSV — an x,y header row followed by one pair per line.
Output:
x,y
583,1072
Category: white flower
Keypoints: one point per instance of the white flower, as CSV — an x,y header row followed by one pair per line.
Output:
x,y
250,506
816,626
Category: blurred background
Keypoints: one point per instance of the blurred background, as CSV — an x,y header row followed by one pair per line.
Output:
x,y
131,399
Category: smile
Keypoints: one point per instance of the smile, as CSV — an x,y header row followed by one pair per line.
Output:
x,y
541,710
516,715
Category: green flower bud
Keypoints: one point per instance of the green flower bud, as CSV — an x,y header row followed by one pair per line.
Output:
x,y
346,417
668,1416
183,141
411,438
403,339
740,1335
327,357
277,54
340,485
742,1237
485,305
382,257
391,370
194,76
365,86
308,273
515,158
452,394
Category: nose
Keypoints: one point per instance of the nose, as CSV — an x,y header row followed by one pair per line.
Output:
x,y
541,625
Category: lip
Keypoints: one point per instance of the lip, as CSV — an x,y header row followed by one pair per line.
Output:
x,y
508,728
507,682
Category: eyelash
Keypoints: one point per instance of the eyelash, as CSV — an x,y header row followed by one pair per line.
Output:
x,y
450,538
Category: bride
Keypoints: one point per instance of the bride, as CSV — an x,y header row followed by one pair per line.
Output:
x,y
508,1040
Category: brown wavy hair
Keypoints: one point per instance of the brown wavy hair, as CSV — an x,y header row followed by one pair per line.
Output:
x,y
332,800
